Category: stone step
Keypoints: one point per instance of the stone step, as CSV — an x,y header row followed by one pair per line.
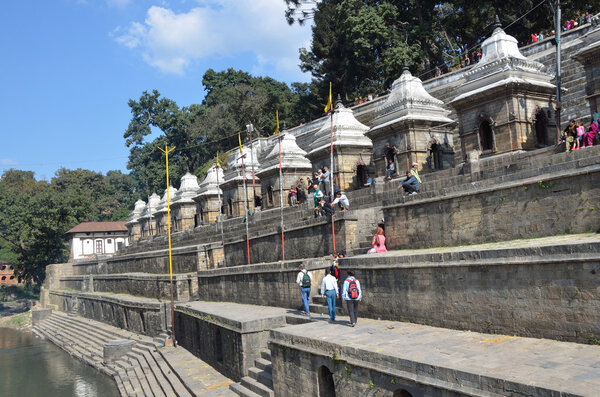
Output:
x,y
261,376
154,371
242,391
257,387
263,364
131,375
266,355
75,342
168,373
140,374
82,337
95,329
320,309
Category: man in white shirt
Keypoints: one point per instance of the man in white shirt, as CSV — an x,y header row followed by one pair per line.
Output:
x,y
329,289
342,201
304,280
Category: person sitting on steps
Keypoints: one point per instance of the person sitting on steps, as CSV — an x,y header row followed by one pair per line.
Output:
x,y
411,184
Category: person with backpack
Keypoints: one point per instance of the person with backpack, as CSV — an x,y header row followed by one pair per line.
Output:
x,y
352,294
304,280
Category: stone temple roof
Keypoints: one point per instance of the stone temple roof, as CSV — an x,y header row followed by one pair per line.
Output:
x,y
187,190
347,132
234,163
502,64
138,209
209,185
292,156
409,100
152,206
162,205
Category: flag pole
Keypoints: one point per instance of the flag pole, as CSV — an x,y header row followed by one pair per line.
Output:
x,y
247,220
329,108
280,190
166,152
220,216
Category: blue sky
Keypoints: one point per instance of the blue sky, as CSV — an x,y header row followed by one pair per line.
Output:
x,y
70,66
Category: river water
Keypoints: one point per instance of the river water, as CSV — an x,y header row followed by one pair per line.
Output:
x,y
31,367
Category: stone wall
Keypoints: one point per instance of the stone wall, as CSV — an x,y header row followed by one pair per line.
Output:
x,y
144,316
185,259
185,286
541,205
545,292
225,336
270,284
311,239
298,367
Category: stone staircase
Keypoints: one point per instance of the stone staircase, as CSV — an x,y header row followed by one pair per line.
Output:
x,y
141,372
319,305
259,381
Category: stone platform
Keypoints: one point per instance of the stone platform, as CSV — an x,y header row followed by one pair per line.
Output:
x,y
386,356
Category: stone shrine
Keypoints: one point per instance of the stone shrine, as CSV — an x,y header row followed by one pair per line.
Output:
x,y
183,207
505,102
351,148
411,126
294,165
208,206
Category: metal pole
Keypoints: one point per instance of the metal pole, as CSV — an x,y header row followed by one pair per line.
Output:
x,y
281,198
250,129
166,152
557,34
220,216
331,181
245,201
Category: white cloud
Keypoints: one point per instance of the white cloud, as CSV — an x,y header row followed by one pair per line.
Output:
x,y
9,162
172,41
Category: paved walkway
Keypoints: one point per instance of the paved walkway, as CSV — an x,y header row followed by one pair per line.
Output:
x,y
559,366
567,239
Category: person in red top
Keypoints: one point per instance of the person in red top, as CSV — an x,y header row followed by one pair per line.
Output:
x,y
293,195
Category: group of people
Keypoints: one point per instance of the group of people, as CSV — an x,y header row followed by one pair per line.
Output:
x,y
577,136
330,290
581,19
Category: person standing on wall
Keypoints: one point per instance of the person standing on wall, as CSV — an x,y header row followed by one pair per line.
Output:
x,y
304,280
352,294
329,289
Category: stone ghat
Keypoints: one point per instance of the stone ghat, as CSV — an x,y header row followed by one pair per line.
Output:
x,y
545,287
139,284
490,178
146,369
388,359
140,315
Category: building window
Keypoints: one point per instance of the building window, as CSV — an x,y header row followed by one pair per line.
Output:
x,y
99,246
109,241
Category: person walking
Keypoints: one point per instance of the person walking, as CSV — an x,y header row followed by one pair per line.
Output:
x,y
352,294
329,289
304,280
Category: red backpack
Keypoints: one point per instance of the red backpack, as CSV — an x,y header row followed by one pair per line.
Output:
x,y
352,289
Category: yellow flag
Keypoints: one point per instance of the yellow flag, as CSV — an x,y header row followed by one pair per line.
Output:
x,y
328,106
218,165
240,141
277,117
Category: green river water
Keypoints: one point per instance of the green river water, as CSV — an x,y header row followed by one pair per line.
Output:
x,y
31,367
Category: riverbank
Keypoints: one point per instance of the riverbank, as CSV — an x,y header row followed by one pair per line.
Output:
x,y
20,321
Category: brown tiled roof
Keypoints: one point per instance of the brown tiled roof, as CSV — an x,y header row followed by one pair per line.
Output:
x,y
87,227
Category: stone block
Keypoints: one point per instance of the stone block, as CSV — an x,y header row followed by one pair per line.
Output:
x,y
39,315
117,348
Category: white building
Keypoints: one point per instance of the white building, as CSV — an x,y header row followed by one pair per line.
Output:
x,y
96,238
